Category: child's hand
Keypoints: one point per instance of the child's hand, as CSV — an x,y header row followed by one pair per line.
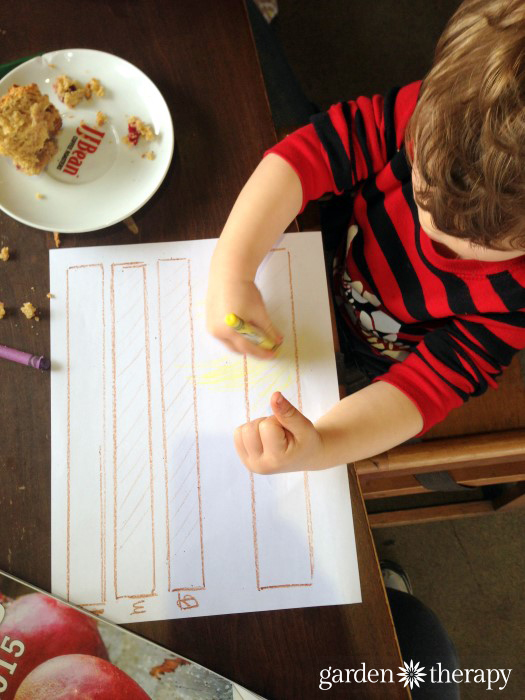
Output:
x,y
284,442
241,297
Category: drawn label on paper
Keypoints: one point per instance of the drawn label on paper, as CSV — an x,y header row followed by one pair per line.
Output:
x,y
138,607
187,601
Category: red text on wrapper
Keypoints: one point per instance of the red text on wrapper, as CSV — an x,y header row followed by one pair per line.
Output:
x,y
90,140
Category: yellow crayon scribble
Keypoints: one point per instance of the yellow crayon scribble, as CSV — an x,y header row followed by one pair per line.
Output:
x,y
225,372
265,376
263,383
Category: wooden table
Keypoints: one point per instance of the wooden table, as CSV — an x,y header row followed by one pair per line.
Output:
x,y
201,55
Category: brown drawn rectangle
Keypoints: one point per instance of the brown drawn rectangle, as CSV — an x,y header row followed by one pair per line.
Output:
x,y
133,491
293,551
180,434
86,460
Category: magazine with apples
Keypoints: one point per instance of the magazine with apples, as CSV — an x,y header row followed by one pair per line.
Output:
x,y
50,649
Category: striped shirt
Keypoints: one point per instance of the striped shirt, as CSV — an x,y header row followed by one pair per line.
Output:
x,y
444,327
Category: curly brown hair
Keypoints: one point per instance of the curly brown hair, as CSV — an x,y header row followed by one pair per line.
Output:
x,y
467,133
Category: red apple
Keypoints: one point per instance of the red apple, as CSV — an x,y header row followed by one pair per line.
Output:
x,y
79,676
37,628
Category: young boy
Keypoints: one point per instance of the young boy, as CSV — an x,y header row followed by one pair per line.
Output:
x,y
429,276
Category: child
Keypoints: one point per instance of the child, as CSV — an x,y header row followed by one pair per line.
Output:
x,y
429,275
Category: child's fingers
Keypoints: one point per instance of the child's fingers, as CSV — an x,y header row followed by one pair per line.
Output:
x,y
265,323
251,438
275,334
229,344
245,347
273,437
239,445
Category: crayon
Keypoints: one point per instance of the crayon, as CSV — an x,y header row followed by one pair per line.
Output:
x,y
251,333
24,358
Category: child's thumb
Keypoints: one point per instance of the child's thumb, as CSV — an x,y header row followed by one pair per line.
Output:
x,y
287,415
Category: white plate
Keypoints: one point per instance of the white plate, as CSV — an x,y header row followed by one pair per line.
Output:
x,y
113,181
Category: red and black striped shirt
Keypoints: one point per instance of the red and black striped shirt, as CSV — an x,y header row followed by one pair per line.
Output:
x,y
447,327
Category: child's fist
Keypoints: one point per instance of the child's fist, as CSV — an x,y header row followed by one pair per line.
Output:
x,y
284,442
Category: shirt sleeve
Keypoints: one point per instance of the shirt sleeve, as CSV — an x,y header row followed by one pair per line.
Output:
x,y
349,143
457,361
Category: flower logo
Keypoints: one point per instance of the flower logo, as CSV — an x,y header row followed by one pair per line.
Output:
x,y
411,674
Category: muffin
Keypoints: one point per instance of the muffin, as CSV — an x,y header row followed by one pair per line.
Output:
x,y
29,124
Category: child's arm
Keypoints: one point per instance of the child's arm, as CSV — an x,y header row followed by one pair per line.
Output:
x,y
330,157
364,424
269,201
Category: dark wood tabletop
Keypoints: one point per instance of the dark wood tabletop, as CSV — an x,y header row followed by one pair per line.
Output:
x,y
201,55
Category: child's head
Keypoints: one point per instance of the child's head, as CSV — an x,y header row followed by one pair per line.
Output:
x,y
467,133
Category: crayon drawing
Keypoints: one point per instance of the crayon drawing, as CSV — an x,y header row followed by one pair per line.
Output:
x,y
153,514
295,566
85,485
180,434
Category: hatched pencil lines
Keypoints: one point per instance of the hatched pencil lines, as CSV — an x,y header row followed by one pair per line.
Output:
x,y
132,487
184,530
124,441
133,500
85,454
286,560
133,360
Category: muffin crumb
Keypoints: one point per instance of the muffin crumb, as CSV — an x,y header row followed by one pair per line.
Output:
x,y
4,253
2,309
56,238
136,129
28,310
96,87
72,92
101,118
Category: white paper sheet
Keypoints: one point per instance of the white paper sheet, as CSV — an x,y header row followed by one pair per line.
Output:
x,y
153,514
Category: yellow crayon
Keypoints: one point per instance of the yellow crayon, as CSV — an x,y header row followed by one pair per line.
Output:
x,y
251,333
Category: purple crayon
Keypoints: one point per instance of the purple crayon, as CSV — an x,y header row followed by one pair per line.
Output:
x,y
24,358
